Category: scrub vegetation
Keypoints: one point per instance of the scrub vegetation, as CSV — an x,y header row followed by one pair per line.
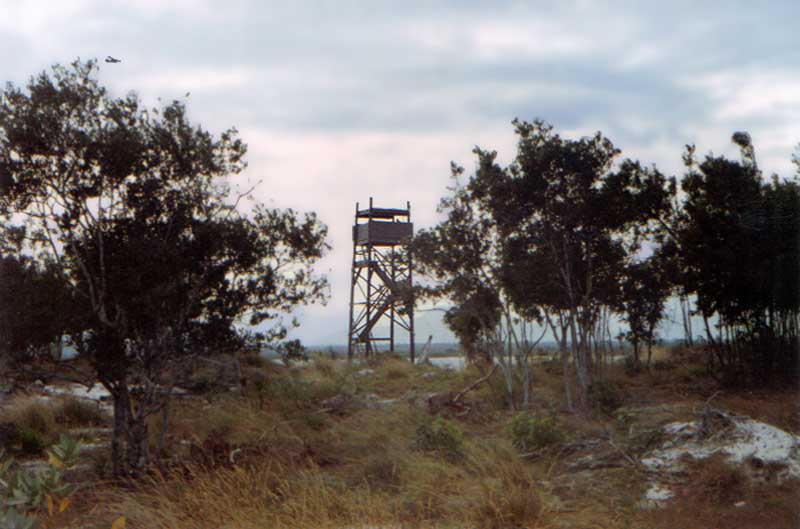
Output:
x,y
123,237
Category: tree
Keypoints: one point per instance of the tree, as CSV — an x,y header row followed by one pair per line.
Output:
x,y
738,244
463,255
549,236
569,222
644,290
132,206
35,309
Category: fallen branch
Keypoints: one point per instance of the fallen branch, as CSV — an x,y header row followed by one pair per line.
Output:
x,y
474,385
707,422
613,445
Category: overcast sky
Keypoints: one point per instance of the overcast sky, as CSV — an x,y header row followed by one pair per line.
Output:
x,y
339,101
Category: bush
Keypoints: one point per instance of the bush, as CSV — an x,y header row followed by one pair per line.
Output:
x,y
440,435
32,442
72,411
24,492
530,433
35,421
605,396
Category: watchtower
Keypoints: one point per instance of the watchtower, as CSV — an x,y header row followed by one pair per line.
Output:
x,y
380,286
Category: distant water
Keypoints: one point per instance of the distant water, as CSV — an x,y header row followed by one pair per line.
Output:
x,y
449,362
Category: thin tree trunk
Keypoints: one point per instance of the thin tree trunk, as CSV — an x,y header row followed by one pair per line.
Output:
x,y
117,435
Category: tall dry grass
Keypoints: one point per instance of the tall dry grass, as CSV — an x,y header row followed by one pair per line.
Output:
x,y
374,478
300,468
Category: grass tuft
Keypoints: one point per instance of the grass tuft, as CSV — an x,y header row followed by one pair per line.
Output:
x,y
76,412
529,433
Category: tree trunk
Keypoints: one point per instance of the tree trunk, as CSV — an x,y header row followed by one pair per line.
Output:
x,y
579,354
138,444
118,435
567,377
162,434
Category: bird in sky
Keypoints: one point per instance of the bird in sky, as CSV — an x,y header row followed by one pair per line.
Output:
x,y
112,59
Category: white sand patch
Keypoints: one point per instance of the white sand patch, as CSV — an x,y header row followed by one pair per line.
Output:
x,y
658,492
747,438
96,393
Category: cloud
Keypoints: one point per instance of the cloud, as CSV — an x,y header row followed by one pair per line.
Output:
x,y
342,101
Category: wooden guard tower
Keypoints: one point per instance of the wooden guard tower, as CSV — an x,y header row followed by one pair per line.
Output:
x,y
380,286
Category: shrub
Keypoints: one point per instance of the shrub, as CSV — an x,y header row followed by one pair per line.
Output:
x,y
72,411
32,442
605,396
35,421
529,433
440,435
24,492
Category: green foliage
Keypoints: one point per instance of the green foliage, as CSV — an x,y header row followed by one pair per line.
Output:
x,y
440,435
11,519
462,253
291,350
32,442
529,433
25,492
605,396
738,243
143,226
544,237
36,307
644,288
